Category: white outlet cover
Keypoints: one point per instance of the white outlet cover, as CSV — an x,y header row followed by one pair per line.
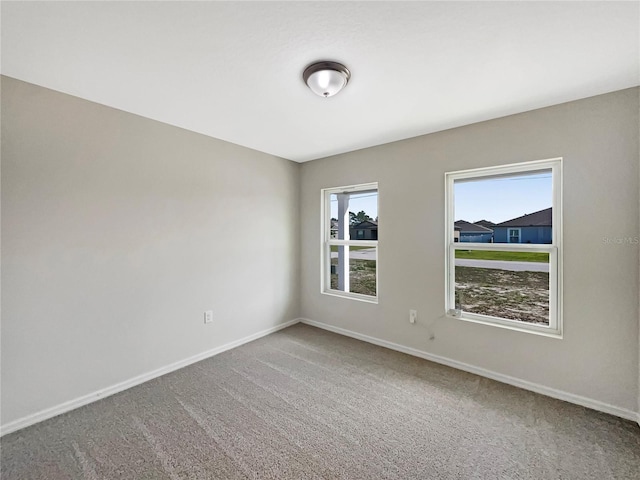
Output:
x,y
208,316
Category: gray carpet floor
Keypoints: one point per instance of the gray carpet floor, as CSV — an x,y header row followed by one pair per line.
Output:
x,y
305,404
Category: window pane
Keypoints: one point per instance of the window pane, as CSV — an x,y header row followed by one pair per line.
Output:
x,y
357,274
515,208
362,268
362,214
338,278
511,285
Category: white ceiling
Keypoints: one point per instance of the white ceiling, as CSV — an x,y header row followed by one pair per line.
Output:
x,y
233,70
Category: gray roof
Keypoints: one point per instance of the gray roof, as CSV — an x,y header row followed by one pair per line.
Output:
x,y
485,223
366,224
465,226
541,218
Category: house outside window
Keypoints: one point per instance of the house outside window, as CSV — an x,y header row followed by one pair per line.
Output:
x,y
514,279
350,242
535,227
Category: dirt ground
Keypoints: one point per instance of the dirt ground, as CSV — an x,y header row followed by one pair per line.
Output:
x,y
522,296
362,276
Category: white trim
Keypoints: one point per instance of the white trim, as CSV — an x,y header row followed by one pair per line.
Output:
x,y
505,247
103,393
353,243
350,296
507,169
499,377
360,187
132,382
516,325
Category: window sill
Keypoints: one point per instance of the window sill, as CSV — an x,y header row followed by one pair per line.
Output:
x,y
351,296
516,326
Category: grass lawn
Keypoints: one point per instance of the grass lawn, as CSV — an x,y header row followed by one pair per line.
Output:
x,y
509,256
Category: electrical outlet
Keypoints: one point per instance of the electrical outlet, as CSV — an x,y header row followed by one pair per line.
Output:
x,y
208,316
413,316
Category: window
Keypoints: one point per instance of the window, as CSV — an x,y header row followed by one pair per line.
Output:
x,y
350,242
513,277
514,235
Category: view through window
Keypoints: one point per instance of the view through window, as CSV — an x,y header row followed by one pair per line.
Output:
x,y
502,264
351,241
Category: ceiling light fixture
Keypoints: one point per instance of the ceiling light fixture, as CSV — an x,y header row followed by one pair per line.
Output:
x,y
326,78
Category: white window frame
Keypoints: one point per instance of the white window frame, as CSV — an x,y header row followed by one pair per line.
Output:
x,y
509,230
554,329
327,242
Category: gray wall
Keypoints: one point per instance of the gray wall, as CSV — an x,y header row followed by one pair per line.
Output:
x,y
118,232
598,138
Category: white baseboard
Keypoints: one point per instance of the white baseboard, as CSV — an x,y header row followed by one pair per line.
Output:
x,y
100,394
516,382
132,382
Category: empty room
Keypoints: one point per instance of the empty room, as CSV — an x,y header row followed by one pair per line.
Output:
x,y
332,240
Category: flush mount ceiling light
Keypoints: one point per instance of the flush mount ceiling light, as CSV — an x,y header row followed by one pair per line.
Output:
x,y
326,78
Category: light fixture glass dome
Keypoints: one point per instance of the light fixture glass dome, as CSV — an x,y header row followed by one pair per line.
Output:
x,y
326,78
